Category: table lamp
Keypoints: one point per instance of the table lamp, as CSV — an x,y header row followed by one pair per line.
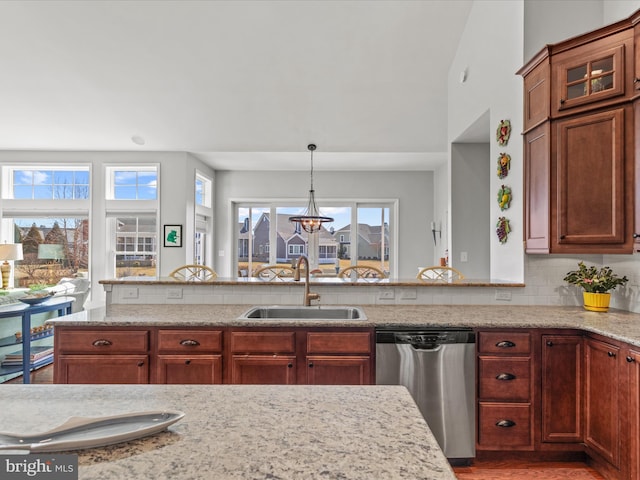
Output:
x,y
9,251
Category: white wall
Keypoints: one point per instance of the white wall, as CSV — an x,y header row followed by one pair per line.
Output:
x,y
414,191
490,52
470,227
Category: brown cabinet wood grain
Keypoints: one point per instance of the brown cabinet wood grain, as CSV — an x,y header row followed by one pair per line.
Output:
x,y
561,381
632,360
101,369
582,190
263,369
189,369
601,400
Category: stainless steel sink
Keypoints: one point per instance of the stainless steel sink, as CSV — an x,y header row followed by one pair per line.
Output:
x,y
304,313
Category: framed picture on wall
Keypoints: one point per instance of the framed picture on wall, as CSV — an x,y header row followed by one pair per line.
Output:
x,y
173,235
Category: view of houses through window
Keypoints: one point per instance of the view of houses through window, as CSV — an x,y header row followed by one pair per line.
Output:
x,y
338,245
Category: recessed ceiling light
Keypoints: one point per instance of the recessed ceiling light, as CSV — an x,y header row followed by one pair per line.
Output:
x,y
138,140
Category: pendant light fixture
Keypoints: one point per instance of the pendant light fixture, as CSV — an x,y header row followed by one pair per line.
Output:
x,y
311,221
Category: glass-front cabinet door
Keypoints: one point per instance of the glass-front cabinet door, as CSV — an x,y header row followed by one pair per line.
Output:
x,y
591,73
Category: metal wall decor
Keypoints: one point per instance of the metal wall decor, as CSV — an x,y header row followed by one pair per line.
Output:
x,y
503,229
504,165
504,132
504,197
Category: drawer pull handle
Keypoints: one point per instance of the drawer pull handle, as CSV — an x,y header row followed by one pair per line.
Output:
x,y
189,343
140,364
187,362
290,365
506,376
102,343
631,359
506,423
505,344
310,364
549,343
611,354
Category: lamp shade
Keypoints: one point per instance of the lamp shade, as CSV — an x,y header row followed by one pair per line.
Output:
x,y
11,251
50,251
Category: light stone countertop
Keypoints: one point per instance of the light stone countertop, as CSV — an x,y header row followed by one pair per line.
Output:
x,y
243,431
616,324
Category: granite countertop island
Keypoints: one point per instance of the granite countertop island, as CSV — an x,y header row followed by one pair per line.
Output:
x,y
243,431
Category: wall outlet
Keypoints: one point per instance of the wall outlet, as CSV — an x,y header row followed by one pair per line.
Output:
x,y
409,294
387,294
464,257
503,295
174,293
130,292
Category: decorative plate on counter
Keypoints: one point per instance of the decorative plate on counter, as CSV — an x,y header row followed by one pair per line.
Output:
x,y
89,432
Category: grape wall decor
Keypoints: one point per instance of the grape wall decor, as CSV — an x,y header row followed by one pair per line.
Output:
x,y
503,229
504,197
504,164
504,132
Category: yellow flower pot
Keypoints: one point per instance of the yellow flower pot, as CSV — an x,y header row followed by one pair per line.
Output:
x,y
596,302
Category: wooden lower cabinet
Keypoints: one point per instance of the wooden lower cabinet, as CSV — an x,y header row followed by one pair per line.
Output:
x,y
632,360
189,369
101,369
601,400
561,382
263,369
505,390
338,370
301,356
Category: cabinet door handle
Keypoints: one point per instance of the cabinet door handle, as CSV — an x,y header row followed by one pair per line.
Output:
x,y
310,364
636,235
140,364
187,362
505,344
631,359
102,343
505,376
290,365
611,354
562,237
549,343
506,423
562,100
189,343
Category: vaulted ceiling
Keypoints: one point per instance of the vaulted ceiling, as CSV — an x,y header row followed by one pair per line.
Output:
x,y
244,85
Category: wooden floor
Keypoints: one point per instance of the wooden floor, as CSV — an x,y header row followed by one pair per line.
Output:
x,y
478,471
527,471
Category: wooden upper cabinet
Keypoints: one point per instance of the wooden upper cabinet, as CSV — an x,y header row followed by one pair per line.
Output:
x,y
590,170
537,93
592,73
537,184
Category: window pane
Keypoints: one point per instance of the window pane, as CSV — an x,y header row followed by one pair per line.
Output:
x,y
125,193
135,246
22,177
63,177
23,192
53,248
124,177
42,177
373,237
50,184
147,193
42,192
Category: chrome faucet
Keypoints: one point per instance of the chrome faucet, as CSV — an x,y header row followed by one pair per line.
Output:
x,y
308,296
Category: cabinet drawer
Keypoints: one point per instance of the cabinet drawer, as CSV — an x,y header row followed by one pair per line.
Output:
x,y
504,378
102,341
336,342
189,341
263,342
504,426
504,342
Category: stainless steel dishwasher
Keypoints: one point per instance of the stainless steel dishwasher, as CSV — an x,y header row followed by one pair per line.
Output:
x,y
438,368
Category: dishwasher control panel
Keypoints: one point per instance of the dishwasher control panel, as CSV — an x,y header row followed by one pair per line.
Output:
x,y
426,337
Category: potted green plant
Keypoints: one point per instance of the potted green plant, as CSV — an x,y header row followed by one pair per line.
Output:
x,y
596,284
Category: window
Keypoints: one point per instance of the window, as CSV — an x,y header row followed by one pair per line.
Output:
x,y
263,241
132,183
203,191
296,249
53,248
136,246
54,183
